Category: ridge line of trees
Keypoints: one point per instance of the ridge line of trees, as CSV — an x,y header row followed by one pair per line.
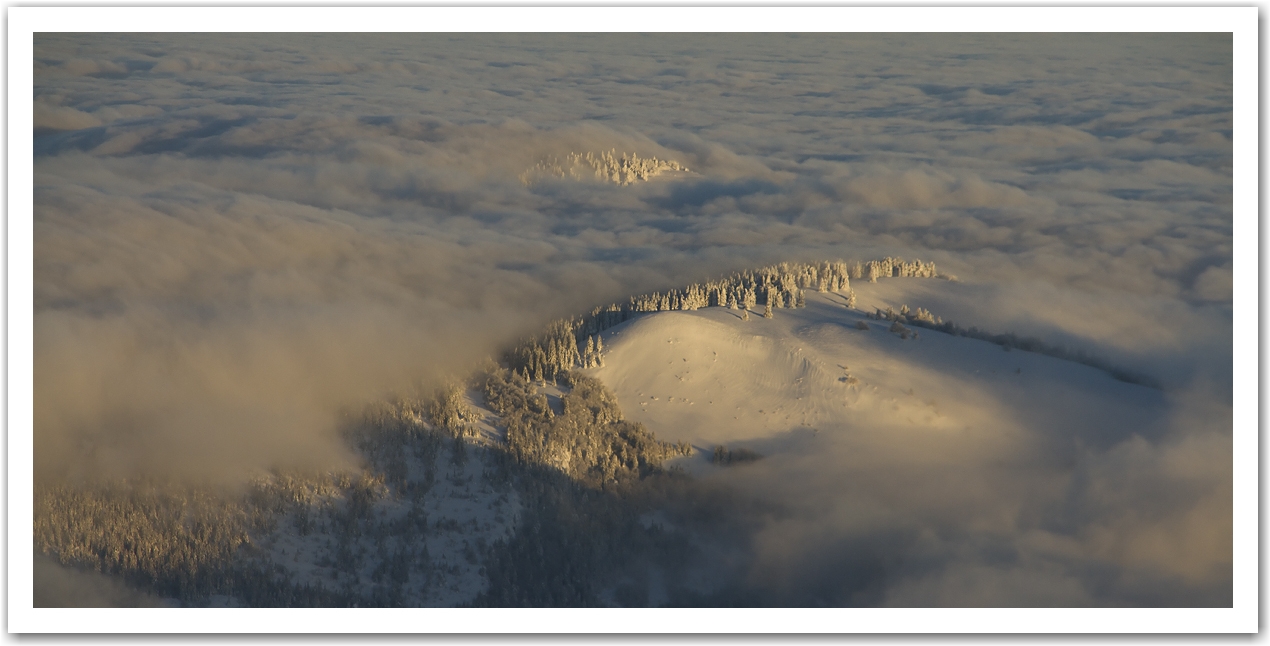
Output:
x,y
575,343
1008,341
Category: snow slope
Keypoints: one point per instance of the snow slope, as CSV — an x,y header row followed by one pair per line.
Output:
x,y
709,377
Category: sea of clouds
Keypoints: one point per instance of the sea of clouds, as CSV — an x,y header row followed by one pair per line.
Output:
x,y
239,236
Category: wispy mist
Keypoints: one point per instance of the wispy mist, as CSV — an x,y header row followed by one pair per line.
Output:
x,y
1030,506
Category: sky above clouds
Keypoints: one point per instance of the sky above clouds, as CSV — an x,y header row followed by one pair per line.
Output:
x,y
239,235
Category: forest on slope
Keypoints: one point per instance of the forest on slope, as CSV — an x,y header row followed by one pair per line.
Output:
x,y
521,484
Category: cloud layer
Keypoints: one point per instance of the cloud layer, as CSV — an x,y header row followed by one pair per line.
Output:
x,y
238,235
1031,507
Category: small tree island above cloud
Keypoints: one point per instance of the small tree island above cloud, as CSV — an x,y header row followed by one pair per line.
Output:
x,y
348,319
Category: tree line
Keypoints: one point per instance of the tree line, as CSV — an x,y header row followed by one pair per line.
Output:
x,y
575,342
606,166
1008,341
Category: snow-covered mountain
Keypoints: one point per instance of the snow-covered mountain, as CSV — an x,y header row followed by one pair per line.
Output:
x,y
686,449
